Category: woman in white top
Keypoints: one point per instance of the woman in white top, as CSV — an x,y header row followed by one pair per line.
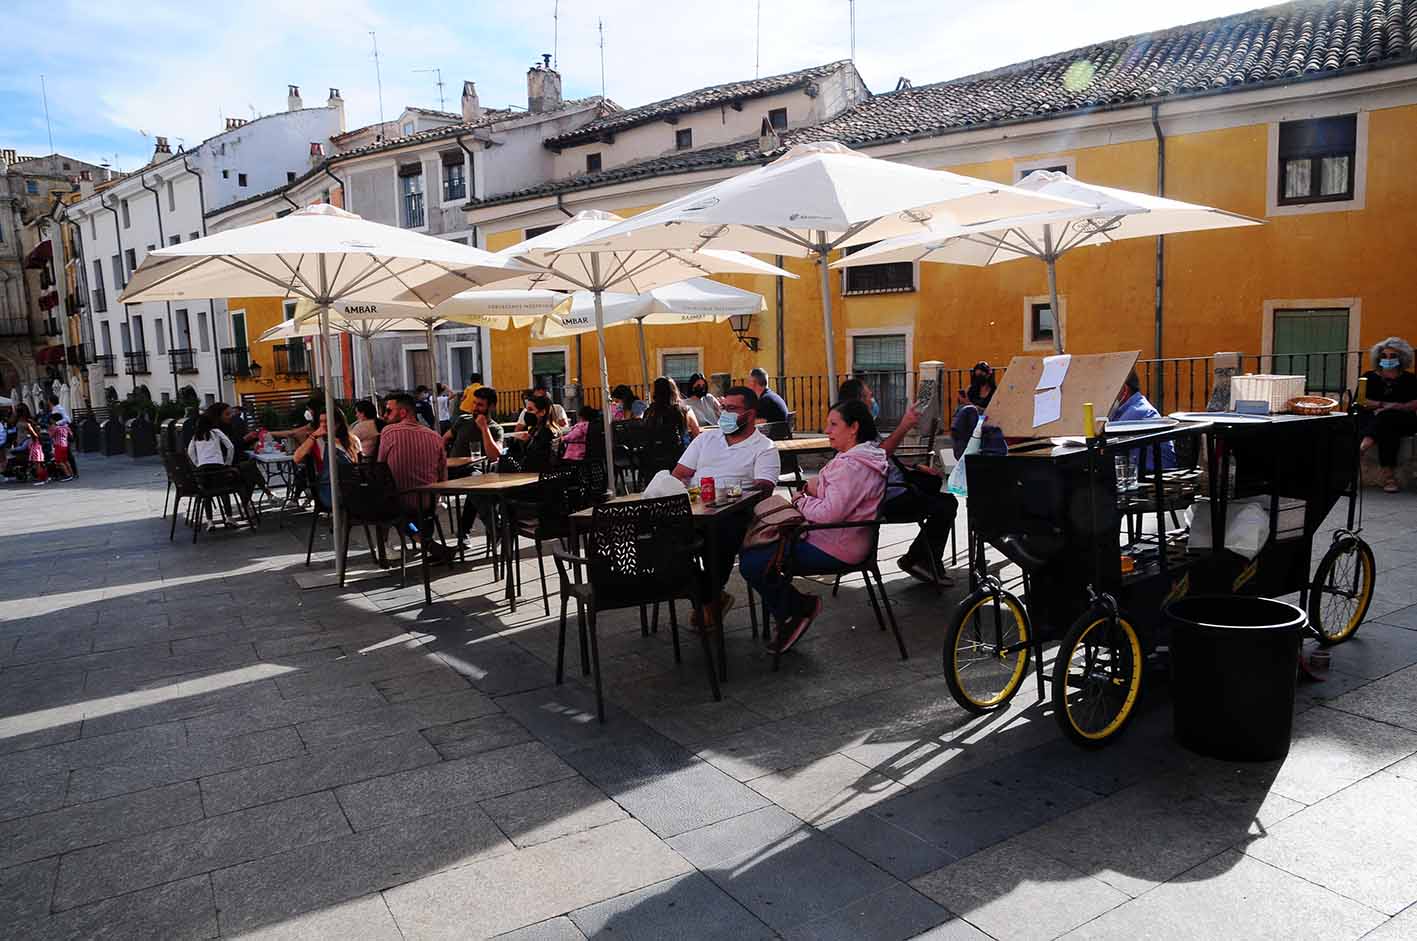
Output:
x,y
702,403
209,445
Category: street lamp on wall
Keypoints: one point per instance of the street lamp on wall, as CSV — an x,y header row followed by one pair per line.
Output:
x,y
741,324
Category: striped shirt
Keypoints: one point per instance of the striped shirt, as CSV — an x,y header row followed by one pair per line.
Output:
x,y
415,456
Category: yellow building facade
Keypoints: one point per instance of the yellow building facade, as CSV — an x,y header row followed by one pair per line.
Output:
x,y
1332,271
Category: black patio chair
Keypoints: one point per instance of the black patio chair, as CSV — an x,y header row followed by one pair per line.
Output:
x,y
216,484
638,553
629,437
558,494
181,476
369,496
868,567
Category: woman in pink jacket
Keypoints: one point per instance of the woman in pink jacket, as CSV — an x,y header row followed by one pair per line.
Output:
x,y
848,489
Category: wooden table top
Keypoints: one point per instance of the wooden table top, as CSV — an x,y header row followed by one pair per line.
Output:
x,y
698,508
816,443
456,462
480,482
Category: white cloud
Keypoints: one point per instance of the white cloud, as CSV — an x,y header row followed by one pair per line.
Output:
x,y
174,68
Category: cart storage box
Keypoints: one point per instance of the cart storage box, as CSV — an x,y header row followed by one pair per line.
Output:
x,y
1245,530
1276,390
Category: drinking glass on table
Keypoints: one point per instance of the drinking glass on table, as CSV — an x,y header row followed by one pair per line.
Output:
x,y
1126,473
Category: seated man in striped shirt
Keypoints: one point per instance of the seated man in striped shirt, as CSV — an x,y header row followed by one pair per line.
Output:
x,y
414,453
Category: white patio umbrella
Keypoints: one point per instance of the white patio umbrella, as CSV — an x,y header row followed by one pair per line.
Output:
x,y
817,198
697,300
567,262
306,324
323,255
1119,214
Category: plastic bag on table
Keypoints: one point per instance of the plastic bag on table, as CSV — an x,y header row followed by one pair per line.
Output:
x,y
1246,527
664,484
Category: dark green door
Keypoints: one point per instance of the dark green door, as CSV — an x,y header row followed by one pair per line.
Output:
x,y
1312,343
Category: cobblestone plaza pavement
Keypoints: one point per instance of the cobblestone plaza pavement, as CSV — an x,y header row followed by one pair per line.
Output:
x,y
193,746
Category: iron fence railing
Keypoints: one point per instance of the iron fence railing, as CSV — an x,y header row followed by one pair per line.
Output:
x,y
108,362
136,362
183,361
291,360
235,362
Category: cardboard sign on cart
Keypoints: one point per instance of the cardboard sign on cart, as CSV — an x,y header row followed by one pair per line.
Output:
x,y
1091,377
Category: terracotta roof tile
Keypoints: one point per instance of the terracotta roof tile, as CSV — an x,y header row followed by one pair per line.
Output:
x,y
696,100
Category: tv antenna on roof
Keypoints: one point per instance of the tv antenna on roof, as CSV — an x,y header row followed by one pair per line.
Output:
x,y
378,79
439,74
600,25
851,6
44,93
758,40
555,32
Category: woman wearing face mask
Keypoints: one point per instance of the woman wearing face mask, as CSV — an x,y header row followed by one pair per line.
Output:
x,y
1390,411
702,402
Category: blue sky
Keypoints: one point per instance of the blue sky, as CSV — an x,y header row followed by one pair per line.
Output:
x,y
115,70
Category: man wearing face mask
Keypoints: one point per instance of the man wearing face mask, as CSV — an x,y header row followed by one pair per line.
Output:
x,y
734,450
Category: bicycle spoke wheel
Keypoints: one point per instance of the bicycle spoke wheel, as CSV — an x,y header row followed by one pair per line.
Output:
x,y
1342,590
1097,677
986,650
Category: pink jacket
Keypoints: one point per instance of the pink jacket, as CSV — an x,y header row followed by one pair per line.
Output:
x,y
849,489
575,441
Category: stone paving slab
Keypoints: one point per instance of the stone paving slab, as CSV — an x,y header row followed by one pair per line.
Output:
x,y
506,892
312,878
1234,896
367,919
214,843
90,752
181,909
688,908
307,773
552,810
71,828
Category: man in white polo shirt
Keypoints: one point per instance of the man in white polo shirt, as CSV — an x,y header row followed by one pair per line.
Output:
x,y
734,450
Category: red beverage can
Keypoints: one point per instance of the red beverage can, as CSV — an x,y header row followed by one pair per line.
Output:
x,y
706,491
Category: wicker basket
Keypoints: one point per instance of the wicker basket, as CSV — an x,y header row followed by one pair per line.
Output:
x,y
1276,390
1311,405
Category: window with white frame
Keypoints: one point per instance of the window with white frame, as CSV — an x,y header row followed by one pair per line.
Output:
x,y
454,177
1041,326
411,194
890,278
882,360
679,365
548,371
1317,159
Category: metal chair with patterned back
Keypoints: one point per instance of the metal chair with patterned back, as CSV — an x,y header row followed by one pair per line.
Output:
x,y
638,553
559,493
181,477
370,497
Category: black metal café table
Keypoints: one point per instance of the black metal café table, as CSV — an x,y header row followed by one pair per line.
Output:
x,y
485,486
706,522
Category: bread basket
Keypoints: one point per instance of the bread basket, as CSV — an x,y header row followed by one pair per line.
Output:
x,y
1311,405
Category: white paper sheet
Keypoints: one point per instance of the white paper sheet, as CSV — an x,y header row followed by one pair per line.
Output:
x,y
1047,406
1055,370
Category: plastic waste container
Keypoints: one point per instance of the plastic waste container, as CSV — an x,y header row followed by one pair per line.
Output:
x,y
1234,663
114,436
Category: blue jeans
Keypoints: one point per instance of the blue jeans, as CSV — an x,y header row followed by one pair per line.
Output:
x,y
782,599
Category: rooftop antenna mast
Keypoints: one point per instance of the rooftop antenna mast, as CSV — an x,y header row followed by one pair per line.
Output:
x,y
378,79
439,74
851,5
600,25
44,93
758,41
555,33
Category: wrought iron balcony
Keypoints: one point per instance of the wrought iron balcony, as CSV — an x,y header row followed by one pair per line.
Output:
x,y
236,362
137,363
106,360
292,361
183,361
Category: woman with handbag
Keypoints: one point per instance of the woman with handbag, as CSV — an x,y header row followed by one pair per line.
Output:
x,y
849,489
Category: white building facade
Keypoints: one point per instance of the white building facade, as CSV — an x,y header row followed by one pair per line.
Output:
x,y
168,346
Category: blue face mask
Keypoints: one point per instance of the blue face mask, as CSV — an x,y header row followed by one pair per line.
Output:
x,y
728,423
1389,363
875,409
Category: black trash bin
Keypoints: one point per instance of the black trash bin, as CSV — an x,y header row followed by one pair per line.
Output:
x,y
141,438
114,436
1234,662
167,436
90,434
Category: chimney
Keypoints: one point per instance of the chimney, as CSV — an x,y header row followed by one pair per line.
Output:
x,y
543,87
233,123
317,152
161,149
85,176
337,103
471,107
7,157
292,98
768,140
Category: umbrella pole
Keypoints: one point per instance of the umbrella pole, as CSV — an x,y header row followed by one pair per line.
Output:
x,y
1052,260
644,358
822,252
331,441
604,378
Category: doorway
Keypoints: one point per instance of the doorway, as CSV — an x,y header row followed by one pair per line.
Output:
x,y
417,367
1311,341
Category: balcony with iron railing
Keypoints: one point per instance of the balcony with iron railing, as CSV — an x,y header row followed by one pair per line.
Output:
x,y
236,362
81,354
291,361
136,363
183,360
108,363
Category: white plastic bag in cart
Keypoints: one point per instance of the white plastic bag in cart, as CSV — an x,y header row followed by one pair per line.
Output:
x,y
959,484
1246,527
